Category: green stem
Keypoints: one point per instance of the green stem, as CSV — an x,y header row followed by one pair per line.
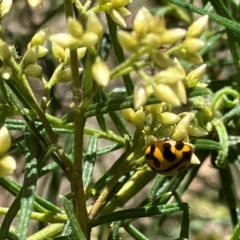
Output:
x,y
79,123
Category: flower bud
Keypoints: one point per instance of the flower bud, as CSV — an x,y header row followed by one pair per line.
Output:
x,y
150,140
141,23
127,41
5,52
5,6
127,114
192,44
156,109
94,25
152,40
138,118
161,59
206,114
193,58
185,121
124,12
101,73
165,94
42,51
74,27
196,131
5,140
157,25
165,131
58,52
172,36
197,27
170,76
7,165
35,3
179,67
168,118
40,37
89,39
80,53
117,18
6,72
65,40
66,75
195,76
120,3
33,70
180,91
30,57
140,97
180,135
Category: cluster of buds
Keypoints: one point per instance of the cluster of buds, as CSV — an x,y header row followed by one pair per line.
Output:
x,y
116,9
5,6
137,117
150,36
7,162
77,36
80,39
178,127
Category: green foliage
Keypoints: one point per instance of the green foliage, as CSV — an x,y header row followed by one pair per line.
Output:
x,y
82,162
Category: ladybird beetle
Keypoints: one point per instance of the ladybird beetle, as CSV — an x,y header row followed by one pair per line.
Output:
x,y
168,157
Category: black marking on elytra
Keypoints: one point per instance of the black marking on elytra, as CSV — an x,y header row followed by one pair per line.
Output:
x,y
151,157
186,158
179,146
187,155
152,150
167,153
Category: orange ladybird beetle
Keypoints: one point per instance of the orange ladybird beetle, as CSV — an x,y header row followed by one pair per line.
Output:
x,y
168,157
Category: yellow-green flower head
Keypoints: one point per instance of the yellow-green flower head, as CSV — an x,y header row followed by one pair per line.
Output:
x,y
33,70
127,41
120,3
156,109
58,52
138,118
5,6
66,40
180,132
127,114
161,59
141,22
7,165
101,73
165,94
197,28
5,52
40,37
168,118
173,35
195,76
196,131
192,45
94,25
74,27
140,96
5,140
117,17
